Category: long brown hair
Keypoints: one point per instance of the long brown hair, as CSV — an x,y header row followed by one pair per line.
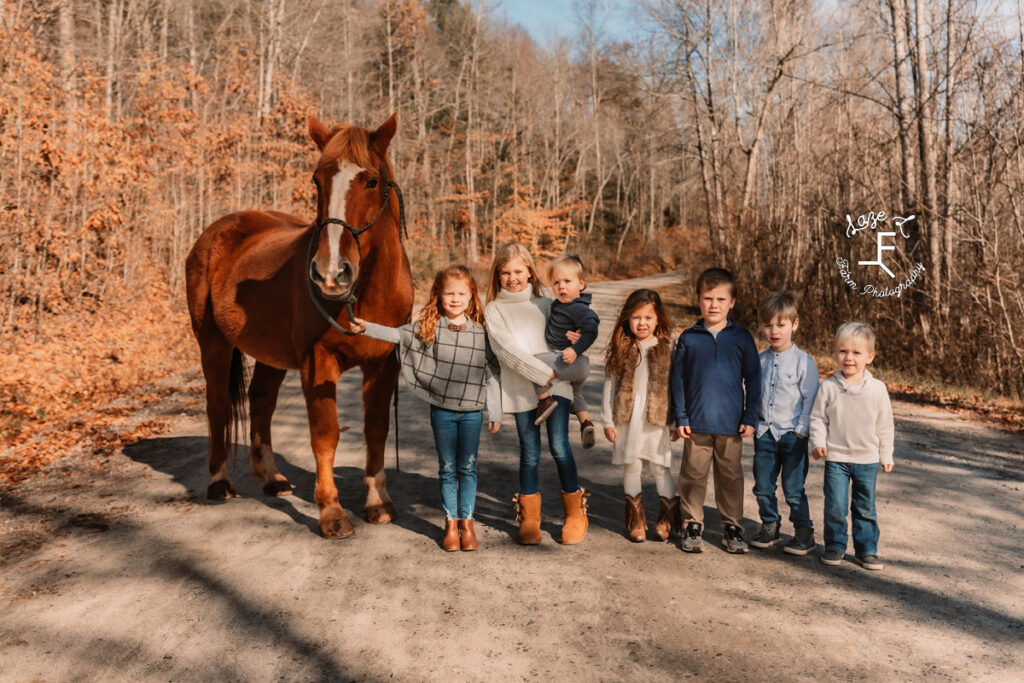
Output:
x,y
432,311
511,251
622,346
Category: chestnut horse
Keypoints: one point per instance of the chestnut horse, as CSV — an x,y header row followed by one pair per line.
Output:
x,y
255,281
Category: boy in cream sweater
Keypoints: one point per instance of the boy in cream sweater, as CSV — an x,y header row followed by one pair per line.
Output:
x,y
852,428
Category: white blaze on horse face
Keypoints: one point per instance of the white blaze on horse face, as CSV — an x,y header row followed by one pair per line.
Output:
x,y
341,184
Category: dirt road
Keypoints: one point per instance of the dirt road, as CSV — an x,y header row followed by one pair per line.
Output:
x,y
138,577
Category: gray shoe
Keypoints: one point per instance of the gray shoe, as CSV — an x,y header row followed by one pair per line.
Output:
x,y
733,540
767,536
692,542
832,557
802,542
870,562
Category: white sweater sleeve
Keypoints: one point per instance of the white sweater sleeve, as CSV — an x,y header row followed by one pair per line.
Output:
x,y
607,401
512,356
819,417
885,428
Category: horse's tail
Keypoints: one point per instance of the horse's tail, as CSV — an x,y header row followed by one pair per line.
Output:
x,y
237,381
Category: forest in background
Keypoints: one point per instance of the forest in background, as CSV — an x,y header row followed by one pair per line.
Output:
x,y
731,133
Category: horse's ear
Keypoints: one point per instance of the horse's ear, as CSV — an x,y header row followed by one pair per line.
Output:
x,y
318,132
381,138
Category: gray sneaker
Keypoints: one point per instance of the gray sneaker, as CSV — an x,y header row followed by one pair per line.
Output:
x,y
733,540
832,557
870,562
692,542
767,536
802,542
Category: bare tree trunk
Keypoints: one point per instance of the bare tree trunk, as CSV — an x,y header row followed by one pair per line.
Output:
x,y
926,140
904,115
947,209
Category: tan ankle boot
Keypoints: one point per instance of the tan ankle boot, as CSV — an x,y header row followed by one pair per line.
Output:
x,y
467,536
575,507
528,515
636,518
668,517
451,535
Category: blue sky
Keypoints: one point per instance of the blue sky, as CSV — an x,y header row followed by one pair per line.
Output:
x,y
548,19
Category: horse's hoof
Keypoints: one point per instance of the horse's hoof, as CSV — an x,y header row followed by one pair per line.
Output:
x,y
220,490
381,514
336,527
277,488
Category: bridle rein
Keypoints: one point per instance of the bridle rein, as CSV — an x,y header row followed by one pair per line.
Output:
x,y
355,232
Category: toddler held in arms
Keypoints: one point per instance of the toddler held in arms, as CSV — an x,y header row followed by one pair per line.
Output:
x,y
570,315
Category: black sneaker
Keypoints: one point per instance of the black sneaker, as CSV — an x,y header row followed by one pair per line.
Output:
x,y
733,540
767,536
692,542
870,562
832,557
802,542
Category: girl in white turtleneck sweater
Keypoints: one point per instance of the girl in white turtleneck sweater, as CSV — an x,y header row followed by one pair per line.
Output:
x,y
635,409
516,314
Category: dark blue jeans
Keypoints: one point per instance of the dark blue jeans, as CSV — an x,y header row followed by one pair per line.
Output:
x,y
787,456
558,441
840,477
457,438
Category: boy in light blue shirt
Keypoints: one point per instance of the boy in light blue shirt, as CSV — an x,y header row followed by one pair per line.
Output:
x,y
789,383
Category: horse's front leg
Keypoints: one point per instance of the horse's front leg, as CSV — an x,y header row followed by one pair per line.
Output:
x,y
378,388
319,385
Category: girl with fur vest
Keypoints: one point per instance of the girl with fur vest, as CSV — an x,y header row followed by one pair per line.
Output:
x,y
635,409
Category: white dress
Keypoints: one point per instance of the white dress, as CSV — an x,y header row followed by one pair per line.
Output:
x,y
638,439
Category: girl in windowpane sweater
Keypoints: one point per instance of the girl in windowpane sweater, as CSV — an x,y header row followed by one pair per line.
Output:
x,y
447,361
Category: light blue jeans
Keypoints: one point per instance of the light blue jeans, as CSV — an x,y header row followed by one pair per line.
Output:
x,y
840,478
457,438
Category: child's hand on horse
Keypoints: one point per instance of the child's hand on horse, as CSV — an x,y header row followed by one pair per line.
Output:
x,y
568,356
358,325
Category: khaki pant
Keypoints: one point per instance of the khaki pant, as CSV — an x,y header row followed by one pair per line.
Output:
x,y
699,451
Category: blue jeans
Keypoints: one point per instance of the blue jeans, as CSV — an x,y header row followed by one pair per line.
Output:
x,y
839,476
558,441
457,438
788,455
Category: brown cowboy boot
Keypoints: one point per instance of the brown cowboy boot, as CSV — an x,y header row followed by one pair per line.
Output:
x,y
575,506
450,541
668,517
636,518
467,537
528,516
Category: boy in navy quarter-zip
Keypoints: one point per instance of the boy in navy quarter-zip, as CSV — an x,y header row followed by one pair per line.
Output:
x,y
714,362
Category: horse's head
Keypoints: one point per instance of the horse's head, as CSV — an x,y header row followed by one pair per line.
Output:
x,y
352,179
